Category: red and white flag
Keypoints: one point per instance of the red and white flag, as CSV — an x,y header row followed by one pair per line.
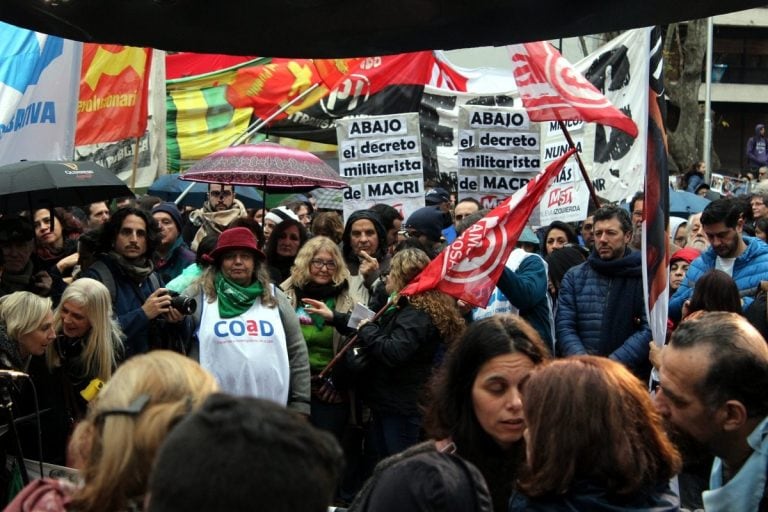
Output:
x,y
469,268
553,90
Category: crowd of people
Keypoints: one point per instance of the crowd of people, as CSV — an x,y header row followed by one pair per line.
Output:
x,y
171,351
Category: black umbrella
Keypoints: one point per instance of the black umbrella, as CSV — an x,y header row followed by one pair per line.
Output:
x,y
32,185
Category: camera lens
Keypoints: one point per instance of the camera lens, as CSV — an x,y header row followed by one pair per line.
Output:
x,y
185,305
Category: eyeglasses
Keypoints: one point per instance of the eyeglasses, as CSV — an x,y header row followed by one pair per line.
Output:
x,y
319,264
459,216
220,193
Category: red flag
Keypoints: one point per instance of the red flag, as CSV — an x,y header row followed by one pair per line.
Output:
x,y
113,93
469,268
359,86
552,89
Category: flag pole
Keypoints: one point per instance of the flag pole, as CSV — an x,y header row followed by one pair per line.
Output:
x,y
135,164
352,341
590,186
258,125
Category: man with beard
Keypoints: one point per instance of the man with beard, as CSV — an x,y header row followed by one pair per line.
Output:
x,y
124,265
364,245
713,375
744,258
221,209
696,237
601,309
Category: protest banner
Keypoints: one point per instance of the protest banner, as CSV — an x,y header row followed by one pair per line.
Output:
x,y
567,199
39,79
380,157
113,93
498,154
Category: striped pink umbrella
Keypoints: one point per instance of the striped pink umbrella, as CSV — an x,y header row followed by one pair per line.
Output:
x,y
269,166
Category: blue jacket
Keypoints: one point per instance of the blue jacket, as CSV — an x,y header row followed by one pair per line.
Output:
x,y
526,289
127,306
748,270
589,323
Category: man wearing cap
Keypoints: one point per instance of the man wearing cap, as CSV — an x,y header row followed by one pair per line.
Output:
x,y
439,197
274,217
427,225
248,335
124,265
172,255
218,212
21,270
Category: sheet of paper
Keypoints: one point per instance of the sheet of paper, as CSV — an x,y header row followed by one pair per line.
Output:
x,y
360,312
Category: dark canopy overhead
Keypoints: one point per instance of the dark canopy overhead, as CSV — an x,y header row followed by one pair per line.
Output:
x,y
343,28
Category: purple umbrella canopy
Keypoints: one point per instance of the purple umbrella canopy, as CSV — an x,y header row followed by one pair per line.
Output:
x,y
269,166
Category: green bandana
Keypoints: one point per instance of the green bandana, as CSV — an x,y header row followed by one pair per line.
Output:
x,y
233,298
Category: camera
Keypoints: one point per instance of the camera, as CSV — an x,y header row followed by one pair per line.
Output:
x,y
183,304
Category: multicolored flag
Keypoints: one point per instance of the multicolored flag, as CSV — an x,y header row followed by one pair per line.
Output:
x,y
391,84
113,93
553,90
469,268
655,240
200,120
39,75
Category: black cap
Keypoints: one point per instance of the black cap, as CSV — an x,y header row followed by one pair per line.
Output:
x,y
16,229
437,196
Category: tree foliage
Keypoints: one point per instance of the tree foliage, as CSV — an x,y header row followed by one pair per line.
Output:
x,y
685,48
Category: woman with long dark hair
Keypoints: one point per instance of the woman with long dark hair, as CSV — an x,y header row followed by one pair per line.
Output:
x,y
476,405
282,247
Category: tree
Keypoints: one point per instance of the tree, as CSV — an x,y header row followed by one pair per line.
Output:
x,y
685,48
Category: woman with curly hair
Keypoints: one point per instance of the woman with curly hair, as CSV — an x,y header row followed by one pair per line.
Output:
x,y
318,290
405,345
114,447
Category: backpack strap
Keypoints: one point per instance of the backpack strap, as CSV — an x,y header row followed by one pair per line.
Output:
x,y
106,278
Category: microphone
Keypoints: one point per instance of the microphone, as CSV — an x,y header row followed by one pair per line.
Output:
x,y
13,374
